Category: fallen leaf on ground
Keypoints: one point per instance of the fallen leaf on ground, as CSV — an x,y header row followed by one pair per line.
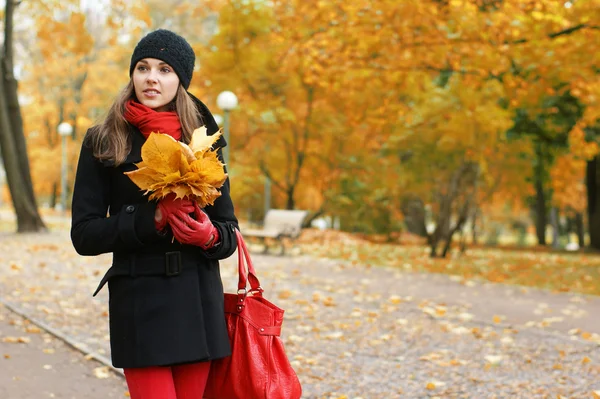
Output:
x,y
494,359
285,294
16,340
101,372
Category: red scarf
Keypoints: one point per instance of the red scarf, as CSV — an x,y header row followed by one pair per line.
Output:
x,y
148,120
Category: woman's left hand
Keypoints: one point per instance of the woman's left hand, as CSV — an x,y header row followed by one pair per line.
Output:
x,y
200,231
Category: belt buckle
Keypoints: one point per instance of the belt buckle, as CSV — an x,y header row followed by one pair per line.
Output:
x,y
172,263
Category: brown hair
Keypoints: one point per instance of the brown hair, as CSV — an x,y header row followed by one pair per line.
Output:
x,y
111,141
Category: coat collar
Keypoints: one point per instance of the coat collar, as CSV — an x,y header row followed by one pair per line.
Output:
x,y
137,141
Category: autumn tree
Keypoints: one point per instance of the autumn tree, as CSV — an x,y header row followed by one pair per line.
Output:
x,y
292,126
56,91
431,115
12,138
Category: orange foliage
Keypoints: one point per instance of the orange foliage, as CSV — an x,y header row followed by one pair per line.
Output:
x,y
346,102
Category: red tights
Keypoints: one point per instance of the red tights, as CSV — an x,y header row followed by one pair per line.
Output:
x,y
186,381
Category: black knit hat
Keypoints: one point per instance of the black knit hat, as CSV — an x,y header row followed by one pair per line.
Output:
x,y
169,47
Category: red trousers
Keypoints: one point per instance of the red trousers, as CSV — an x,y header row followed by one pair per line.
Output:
x,y
178,382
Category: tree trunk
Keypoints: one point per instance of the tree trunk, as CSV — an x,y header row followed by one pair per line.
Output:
x,y
16,122
447,245
540,199
463,241
593,185
12,139
54,196
413,210
555,227
442,228
26,211
580,230
306,223
462,219
435,238
474,231
78,85
433,243
290,204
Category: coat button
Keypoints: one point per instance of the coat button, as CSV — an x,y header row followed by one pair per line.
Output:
x,y
130,209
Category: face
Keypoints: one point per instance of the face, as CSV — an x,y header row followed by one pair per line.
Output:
x,y
155,83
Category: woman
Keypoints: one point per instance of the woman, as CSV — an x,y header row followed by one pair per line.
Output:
x,y
166,296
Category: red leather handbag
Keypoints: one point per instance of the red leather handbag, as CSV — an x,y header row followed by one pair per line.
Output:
x,y
258,367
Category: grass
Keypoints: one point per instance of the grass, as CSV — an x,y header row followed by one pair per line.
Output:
x,y
555,271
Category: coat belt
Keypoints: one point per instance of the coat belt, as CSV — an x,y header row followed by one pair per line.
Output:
x,y
167,264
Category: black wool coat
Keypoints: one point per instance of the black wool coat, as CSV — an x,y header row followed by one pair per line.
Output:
x,y
165,298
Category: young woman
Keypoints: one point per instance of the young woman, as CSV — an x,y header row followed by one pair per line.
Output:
x,y
165,295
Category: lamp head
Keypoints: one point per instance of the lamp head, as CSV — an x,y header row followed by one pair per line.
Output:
x,y
65,129
227,101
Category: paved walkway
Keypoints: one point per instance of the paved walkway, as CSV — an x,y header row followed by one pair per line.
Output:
x,y
39,366
357,332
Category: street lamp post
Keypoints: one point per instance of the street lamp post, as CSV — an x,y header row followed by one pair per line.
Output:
x,y
64,130
218,119
226,101
2,178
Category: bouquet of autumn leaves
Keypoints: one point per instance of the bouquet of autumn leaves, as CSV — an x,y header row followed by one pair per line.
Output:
x,y
189,171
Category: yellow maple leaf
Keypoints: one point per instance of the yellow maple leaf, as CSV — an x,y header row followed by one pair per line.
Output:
x,y
169,166
181,191
184,164
162,153
187,152
201,141
210,169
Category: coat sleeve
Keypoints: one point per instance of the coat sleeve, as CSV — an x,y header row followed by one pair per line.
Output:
x,y
92,231
222,215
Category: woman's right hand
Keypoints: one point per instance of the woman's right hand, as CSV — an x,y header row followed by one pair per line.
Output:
x,y
171,206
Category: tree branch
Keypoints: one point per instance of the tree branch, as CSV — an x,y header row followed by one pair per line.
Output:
x,y
263,168
563,32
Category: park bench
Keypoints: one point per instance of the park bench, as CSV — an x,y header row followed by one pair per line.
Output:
x,y
279,225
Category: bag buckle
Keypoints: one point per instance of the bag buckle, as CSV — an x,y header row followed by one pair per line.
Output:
x,y
173,263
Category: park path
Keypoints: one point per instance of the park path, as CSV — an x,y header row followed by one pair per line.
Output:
x,y
42,366
357,332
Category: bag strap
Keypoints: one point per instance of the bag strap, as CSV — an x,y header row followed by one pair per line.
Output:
x,y
246,271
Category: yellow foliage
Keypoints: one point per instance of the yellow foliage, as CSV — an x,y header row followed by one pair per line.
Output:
x,y
568,185
408,90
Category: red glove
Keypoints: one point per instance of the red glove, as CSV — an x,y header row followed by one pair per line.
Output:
x,y
169,206
200,231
